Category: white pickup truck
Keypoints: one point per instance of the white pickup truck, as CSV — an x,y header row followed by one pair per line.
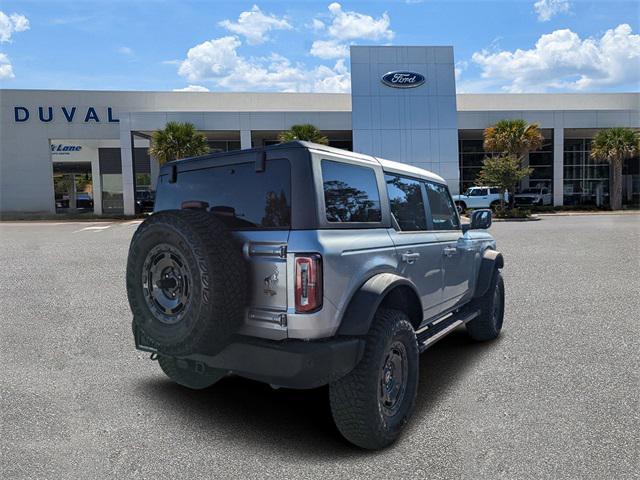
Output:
x,y
479,197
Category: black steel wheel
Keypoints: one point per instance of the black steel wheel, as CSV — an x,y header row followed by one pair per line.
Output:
x,y
488,324
166,281
372,403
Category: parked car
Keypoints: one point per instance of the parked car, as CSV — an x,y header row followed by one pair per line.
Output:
x,y
145,200
479,197
301,265
534,196
84,200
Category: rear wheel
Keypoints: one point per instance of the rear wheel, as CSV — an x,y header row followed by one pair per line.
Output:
x,y
372,403
187,373
495,205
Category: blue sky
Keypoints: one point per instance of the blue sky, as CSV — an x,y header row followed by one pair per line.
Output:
x,y
508,46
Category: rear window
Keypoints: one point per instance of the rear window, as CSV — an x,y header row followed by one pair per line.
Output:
x,y
350,193
238,195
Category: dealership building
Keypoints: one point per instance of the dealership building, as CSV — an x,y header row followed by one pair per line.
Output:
x,y
72,151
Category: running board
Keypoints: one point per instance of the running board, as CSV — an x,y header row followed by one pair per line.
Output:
x,y
441,327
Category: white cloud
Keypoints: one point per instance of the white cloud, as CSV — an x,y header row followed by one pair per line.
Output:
x,y
211,59
329,49
218,61
562,60
347,25
6,70
9,24
128,51
460,67
546,9
192,88
317,25
254,25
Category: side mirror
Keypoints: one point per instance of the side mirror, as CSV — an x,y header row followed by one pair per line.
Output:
x,y
480,220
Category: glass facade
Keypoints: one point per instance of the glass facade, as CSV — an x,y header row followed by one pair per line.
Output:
x,y
586,181
216,146
472,154
542,163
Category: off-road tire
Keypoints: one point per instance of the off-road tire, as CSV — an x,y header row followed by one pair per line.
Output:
x,y
189,374
211,282
488,324
355,399
461,206
495,205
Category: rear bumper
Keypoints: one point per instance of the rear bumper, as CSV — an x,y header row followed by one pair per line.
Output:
x,y
288,363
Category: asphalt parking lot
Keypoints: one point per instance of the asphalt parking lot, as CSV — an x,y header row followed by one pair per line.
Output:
x,y
557,396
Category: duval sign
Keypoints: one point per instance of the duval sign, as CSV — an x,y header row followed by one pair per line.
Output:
x,y
402,79
68,113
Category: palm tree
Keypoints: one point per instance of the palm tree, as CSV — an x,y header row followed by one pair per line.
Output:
x,y
306,132
513,139
615,145
177,140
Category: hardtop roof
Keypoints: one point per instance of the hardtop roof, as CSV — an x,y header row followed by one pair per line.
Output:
x,y
387,165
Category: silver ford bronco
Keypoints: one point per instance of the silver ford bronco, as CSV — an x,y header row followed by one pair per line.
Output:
x,y
301,265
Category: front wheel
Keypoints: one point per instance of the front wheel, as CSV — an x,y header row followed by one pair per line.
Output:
x,y
461,206
488,324
372,403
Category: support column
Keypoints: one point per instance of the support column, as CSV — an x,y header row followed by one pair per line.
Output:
x,y
558,166
154,171
96,184
126,157
245,139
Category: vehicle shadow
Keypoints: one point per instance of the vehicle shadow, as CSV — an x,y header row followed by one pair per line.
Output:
x,y
299,420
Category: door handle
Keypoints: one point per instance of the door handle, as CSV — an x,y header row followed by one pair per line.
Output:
x,y
410,257
449,251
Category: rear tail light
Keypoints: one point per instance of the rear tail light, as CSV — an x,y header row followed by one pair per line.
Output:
x,y
308,289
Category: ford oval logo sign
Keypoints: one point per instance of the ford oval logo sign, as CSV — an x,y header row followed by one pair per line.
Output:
x,y
402,79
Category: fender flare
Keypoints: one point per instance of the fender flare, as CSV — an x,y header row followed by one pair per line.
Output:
x,y
363,305
492,260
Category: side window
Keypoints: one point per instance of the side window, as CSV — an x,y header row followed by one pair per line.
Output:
x,y
407,204
477,192
350,193
443,212
495,191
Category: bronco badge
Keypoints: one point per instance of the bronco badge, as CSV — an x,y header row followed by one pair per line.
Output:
x,y
271,283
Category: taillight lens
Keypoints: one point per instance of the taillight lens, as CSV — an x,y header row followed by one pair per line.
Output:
x,y
308,282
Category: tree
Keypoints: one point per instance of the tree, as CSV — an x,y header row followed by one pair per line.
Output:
x,y
306,132
504,172
513,137
615,145
177,140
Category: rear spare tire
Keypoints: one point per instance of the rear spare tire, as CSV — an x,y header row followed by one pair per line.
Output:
x,y
186,282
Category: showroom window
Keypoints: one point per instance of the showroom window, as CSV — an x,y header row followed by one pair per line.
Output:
x,y
586,181
472,154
